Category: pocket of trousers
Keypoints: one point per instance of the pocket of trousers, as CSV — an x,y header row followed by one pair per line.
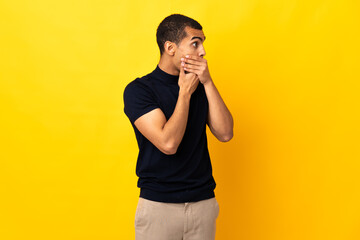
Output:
x,y
139,211
217,207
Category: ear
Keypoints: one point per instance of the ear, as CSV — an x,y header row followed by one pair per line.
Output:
x,y
170,48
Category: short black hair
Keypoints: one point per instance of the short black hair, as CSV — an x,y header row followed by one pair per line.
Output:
x,y
172,29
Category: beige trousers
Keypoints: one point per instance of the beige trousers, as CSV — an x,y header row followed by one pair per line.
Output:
x,y
176,221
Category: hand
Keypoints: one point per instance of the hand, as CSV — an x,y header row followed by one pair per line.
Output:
x,y
198,66
188,82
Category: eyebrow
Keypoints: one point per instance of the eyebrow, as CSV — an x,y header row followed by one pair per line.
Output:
x,y
198,38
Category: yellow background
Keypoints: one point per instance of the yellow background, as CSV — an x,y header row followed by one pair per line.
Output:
x,y
287,69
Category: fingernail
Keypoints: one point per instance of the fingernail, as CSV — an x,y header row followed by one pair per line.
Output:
x,y
182,59
187,56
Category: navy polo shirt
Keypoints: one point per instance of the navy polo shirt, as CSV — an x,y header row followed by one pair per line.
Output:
x,y
185,176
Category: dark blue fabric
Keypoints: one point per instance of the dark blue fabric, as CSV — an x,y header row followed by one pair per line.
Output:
x,y
185,176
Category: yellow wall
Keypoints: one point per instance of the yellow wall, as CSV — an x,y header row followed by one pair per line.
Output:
x,y
287,69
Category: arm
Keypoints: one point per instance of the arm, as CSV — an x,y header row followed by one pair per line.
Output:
x,y
220,120
167,135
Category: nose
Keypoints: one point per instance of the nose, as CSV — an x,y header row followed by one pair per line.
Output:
x,y
202,52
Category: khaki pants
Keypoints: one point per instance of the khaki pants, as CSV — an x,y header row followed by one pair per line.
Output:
x,y
176,221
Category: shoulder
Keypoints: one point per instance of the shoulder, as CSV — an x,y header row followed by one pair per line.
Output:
x,y
140,90
139,84
136,83
139,98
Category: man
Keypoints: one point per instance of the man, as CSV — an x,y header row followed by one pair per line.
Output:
x,y
169,109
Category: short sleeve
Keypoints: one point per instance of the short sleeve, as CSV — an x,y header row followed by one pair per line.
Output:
x,y
138,100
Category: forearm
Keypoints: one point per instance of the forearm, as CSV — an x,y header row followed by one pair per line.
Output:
x,y
174,129
219,117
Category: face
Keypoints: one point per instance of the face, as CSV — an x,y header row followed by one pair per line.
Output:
x,y
192,44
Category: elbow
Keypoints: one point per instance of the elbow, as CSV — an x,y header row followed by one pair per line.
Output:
x,y
226,137
169,149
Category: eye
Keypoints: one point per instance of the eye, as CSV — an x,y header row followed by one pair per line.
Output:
x,y
195,44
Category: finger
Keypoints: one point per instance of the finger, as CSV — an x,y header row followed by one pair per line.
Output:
x,y
192,71
194,57
182,71
189,66
193,62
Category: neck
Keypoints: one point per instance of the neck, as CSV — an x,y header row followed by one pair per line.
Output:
x,y
166,65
